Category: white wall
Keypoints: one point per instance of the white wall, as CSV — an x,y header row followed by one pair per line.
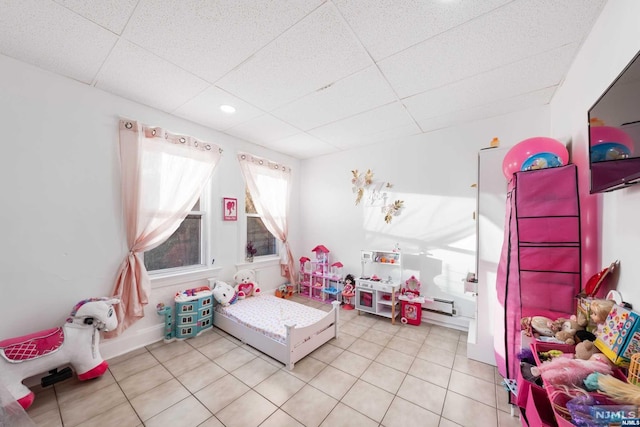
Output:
x,y
613,42
62,236
433,174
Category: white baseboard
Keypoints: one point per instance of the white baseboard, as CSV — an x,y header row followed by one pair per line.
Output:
x,y
131,341
460,323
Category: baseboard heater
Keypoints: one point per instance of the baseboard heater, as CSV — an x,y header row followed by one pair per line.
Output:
x,y
441,306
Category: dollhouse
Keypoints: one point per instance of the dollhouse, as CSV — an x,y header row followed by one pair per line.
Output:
x,y
318,279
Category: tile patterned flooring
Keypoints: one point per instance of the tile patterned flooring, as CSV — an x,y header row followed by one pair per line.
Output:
x,y
373,374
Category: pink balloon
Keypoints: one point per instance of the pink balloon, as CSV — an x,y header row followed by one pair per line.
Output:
x,y
520,152
604,134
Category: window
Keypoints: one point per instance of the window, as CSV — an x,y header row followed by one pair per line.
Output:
x,y
263,241
183,249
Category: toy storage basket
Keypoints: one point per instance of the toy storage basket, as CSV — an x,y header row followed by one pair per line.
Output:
x,y
633,377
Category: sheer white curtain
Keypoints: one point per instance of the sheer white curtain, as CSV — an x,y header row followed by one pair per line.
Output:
x,y
163,175
269,184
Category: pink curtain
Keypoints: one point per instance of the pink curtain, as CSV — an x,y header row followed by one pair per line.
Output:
x,y
162,178
269,184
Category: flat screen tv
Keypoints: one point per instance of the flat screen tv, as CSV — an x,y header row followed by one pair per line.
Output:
x,y
614,133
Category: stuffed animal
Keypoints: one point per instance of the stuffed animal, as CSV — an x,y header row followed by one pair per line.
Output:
x,y
224,293
538,325
585,350
567,330
246,283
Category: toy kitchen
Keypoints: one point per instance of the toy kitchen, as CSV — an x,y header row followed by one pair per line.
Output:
x,y
377,289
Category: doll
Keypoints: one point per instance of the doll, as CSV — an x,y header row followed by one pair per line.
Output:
x,y
600,309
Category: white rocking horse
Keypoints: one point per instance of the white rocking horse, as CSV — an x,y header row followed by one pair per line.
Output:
x,y
75,343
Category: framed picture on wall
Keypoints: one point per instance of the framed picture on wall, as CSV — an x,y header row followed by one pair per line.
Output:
x,y
229,209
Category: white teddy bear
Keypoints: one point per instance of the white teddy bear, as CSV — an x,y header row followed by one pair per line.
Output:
x,y
246,284
224,293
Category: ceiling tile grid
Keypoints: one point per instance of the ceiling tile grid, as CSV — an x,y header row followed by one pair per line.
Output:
x,y
308,77
316,52
516,31
497,108
204,108
110,14
386,27
391,119
302,145
263,130
361,91
208,37
528,75
139,75
47,35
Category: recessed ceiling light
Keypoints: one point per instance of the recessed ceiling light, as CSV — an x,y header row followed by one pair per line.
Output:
x,y
227,109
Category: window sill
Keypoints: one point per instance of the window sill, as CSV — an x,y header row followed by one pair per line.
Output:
x,y
261,262
162,280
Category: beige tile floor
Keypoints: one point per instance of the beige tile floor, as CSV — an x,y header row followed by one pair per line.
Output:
x,y
373,374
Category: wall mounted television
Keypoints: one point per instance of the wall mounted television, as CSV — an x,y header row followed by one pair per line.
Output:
x,y
614,133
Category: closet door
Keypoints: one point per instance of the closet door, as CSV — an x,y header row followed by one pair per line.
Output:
x,y
491,201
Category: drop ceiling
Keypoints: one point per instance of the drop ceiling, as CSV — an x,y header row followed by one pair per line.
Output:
x,y
308,77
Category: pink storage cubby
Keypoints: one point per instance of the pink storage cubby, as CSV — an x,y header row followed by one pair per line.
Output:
x,y
538,410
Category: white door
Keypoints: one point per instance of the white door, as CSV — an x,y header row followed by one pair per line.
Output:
x,y
492,193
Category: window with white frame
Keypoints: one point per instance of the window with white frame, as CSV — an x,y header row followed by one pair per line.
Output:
x,y
261,239
185,247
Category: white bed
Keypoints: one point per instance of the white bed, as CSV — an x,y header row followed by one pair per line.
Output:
x,y
285,330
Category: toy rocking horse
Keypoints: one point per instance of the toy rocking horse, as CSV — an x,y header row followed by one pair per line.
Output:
x,y
75,343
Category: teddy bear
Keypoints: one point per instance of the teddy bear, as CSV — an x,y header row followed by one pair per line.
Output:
x,y
224,293
246,283
585,349
567,329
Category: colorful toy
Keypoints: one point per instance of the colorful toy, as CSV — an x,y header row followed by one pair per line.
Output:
x,y
74,343
284,291
246,283
194,314
534,153
570,372
348,292
224,293
411,302
411,287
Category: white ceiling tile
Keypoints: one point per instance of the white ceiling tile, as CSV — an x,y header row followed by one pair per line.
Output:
x,y
528,75
140,76
204,108
209,37
110,14
317,51
497,108
45,34
263,129
359,92
390,136
387,121
302,146
513,32
389,26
